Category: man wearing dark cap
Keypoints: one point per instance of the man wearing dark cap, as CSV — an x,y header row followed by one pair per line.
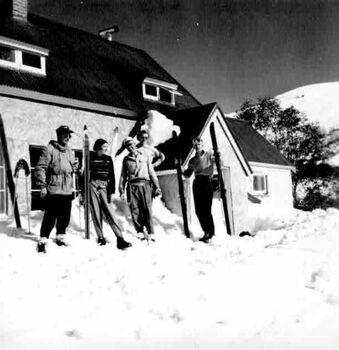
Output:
x,y
138,173
202,165
53,173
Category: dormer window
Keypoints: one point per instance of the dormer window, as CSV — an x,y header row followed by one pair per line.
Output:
x,y
21,56
160,91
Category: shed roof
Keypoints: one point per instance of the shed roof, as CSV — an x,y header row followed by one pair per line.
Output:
x,y
254,146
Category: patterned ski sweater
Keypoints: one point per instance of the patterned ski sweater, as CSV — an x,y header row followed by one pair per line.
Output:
x,y
101,168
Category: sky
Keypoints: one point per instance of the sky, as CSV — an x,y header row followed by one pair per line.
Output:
x,y
221,51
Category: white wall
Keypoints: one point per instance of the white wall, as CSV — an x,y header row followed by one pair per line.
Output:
x,y
29,122
238,181
279,182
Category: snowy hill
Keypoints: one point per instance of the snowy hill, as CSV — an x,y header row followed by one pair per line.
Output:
x,y
277,290
319,102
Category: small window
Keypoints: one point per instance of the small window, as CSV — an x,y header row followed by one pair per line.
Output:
x,y
260,184
165,95
7,54
151,90
31,60
22,56
160,91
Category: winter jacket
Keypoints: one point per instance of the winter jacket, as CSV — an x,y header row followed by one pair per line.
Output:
x,y
137,167
55,168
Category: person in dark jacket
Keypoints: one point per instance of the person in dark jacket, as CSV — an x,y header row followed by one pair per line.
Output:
x,y
102,187
138,173
202,165
53,173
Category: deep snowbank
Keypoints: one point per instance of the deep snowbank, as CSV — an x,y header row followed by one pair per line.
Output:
x,y
277,290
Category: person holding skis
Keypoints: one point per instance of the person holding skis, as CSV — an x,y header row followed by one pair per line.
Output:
x,y
202,165
138,173
53,173
102,187
156,156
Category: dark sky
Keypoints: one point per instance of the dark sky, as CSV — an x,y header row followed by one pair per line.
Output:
x,y
223,51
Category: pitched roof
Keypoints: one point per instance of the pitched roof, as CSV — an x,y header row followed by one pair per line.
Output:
x,y
254,146
85,67
191,122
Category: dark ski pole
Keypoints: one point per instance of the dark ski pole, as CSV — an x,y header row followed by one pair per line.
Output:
x,y
220,177
181,187
86,181
9,175
22,164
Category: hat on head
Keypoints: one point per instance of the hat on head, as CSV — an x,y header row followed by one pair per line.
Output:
x,y
64,129
98,144
127,141
141,133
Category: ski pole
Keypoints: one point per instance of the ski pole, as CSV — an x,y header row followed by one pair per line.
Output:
x,y
28,209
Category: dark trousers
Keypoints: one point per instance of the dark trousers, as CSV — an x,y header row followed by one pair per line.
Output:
x,y
57,209
100,209
140,203
203,196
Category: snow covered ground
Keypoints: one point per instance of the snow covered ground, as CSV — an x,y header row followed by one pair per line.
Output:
x,y
277,290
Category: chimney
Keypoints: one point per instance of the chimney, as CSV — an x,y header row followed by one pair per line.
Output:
x,y
20,10
16,9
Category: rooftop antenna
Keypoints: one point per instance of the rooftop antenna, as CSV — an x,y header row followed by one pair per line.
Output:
x,y
108,32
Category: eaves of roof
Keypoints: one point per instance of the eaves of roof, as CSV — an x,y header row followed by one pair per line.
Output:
x,y
255,148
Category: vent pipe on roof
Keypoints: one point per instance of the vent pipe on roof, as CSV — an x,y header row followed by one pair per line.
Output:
x,y
108,33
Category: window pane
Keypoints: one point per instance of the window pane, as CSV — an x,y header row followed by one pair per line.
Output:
x,y
2,161
165,96
31,60
151,90
7,54
2,178
2,202
34,153
259,183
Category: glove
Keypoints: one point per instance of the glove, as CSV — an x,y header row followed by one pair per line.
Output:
x,y
43,192
157,192
81,199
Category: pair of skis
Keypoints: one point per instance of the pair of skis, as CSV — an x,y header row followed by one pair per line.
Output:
x,y
12,185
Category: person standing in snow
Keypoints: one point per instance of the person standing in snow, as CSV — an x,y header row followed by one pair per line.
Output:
x,y
138,173
202,165
156,156
102,187
53,173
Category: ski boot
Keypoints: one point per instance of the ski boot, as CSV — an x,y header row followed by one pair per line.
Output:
x,y
122,244
102,240
41,246
206,237
60,241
